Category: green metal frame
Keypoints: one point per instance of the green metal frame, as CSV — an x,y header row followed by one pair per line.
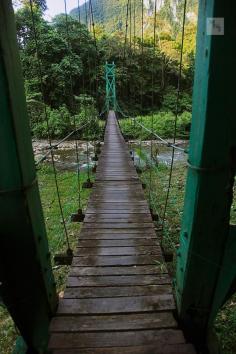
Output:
x,y
110,76
206,261
27,283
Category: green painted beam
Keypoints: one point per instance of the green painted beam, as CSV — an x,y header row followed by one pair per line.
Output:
x,y
27,286
205,235
110,77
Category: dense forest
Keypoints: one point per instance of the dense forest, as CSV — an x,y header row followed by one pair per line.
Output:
x,y
63,63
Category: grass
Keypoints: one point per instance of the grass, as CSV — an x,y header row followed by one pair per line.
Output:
x,y
69,198
225,324
57,243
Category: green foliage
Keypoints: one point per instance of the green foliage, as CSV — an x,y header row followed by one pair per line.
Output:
x,y
163,125
226,326
59,121
170,99
7,332
72,66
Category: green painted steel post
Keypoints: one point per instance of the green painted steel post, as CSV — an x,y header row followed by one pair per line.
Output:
x,y
27,285
110,76
206,269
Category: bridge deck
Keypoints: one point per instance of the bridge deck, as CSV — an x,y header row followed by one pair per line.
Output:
x,y
118,297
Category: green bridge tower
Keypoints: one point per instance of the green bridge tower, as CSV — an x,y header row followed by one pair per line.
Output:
x,y
110,76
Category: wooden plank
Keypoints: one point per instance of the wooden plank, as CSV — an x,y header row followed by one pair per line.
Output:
x,y
101,261
114,291
111,237
130,242
118,225
119,280
113,322
103,208
141,232
106,211
118,339
124,270
162,348
115,251
130,218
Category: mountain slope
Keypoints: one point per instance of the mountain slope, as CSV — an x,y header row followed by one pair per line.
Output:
x,y
112,13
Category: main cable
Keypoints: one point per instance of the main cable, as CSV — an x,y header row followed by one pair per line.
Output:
x,y
142,83
176,117
69,50
152,118
47,124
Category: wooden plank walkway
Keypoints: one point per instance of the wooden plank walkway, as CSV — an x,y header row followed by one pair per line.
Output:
x,y
118,297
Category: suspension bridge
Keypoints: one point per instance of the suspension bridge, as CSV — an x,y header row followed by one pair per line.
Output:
x,y
119,296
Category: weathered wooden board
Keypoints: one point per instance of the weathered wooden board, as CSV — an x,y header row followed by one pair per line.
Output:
x,y
130,242
124,270
119,280
116,305
101,261
118,339
115,291
118,251
113,322
144,349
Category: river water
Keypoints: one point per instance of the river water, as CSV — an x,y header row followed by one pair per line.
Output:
x,y
65,155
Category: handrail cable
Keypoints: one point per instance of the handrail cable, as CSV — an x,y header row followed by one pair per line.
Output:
x,y
85,107
69,49
142,83
95,64
126,32
152,119
86,13
88,183
176,117
79,11
47,124
163,141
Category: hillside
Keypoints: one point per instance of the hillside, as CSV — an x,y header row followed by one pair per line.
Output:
x,y
112,13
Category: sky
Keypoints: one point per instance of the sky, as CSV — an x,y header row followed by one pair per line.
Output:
x,y
57,6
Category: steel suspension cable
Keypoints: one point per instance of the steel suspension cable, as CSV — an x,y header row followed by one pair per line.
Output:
x,y
126,31
130,23
134,22
86,13
95,63
35,34
88,183
96,50
152,118
142,83
79,12
69,50
176,117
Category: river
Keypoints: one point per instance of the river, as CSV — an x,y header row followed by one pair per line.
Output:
x,y
65,154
